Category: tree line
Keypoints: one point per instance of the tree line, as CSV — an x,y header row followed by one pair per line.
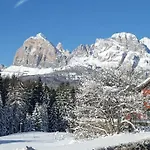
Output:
x,y
98,106
33,106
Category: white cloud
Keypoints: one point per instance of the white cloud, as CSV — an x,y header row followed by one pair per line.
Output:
x,y
20,2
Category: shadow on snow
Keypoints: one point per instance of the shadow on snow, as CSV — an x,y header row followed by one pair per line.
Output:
x,y
12,141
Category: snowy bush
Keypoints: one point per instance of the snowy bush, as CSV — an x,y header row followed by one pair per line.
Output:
x,y
102,104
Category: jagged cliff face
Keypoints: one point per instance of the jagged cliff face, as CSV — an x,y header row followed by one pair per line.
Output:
x,y
39,52
120,50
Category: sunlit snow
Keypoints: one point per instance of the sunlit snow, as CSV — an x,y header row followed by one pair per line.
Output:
x,y
65,141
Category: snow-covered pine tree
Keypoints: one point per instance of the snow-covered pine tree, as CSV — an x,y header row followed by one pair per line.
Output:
x,y
8,120
4,118
55,118
1,116
27,94
65,99
37,95
36,117
40,118
52,110
46,93
28,123
38,91
1,84
16,103
44,117
4,89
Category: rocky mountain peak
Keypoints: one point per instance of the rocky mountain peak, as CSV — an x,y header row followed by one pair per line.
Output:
x,y
37,51
41,35
120,50
60,47
82,50
124,36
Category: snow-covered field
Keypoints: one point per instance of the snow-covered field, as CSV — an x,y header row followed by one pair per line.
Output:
x,y
21,71
64,141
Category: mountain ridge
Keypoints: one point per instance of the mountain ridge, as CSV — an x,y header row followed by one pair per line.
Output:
x,y
121,50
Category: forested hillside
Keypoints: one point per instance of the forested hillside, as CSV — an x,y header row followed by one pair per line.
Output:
x,y
33,106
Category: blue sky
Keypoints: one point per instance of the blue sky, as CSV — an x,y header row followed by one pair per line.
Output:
x,y
71,22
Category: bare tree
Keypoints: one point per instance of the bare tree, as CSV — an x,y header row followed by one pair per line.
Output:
x,y
103,102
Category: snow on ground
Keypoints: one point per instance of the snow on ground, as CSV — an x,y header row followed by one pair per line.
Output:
x,y
91,61
21,70
65,141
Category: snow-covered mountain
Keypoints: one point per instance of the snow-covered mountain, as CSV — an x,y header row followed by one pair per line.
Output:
x,y
146,41
121,50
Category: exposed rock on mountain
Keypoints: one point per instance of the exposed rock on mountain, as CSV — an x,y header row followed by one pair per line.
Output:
x,y
146,41
60,47
121,50
39,52
82,50
1,67
124,37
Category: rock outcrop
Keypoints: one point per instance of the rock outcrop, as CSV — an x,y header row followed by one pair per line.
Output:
x,y
1,67
39,52
121,50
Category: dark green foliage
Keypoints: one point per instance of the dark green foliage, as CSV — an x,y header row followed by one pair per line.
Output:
x,y
33,106
4,85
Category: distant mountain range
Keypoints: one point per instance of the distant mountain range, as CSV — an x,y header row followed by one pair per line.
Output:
x,y
122,50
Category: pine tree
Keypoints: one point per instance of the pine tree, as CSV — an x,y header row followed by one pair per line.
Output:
x,y
4,90
40,118
27,97
46,92
36,118
28,124
38,91
16,104
56,122
1,117
64,106
1,84
44,118
37,95
52,117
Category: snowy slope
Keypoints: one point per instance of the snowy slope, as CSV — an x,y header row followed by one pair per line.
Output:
x,y
22,71
120,50
146,41
64,141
